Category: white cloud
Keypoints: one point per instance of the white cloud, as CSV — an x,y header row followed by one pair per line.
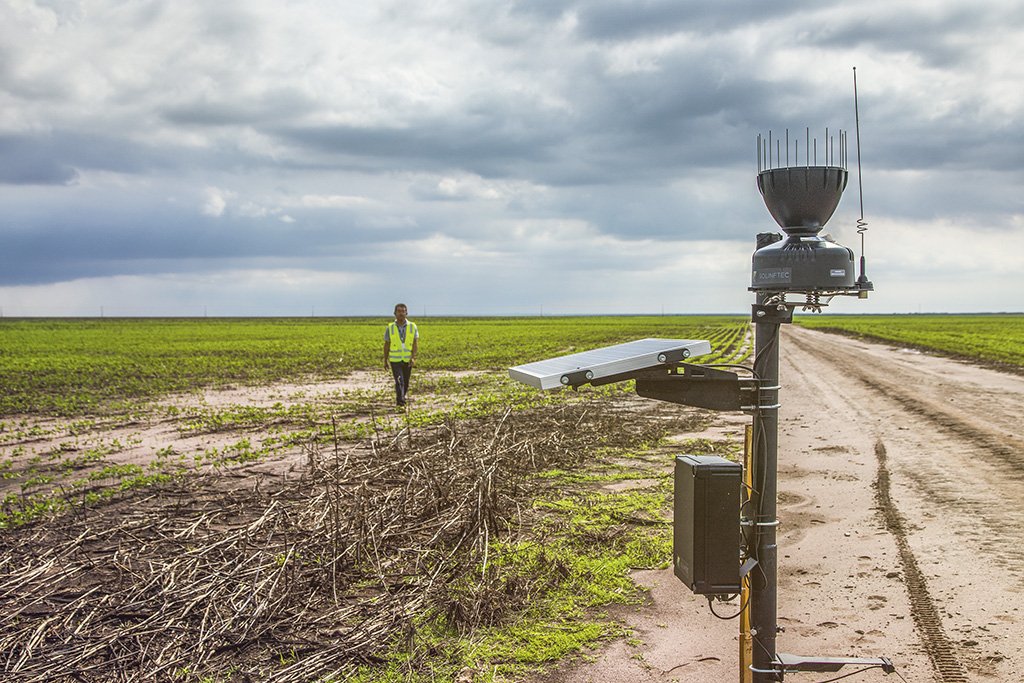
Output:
x,y
333,201
215,201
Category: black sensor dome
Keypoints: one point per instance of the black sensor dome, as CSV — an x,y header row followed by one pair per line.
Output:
x,y
801,199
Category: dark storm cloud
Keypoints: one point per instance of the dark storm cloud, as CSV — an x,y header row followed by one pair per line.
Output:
x,y
966,145
74,256
658,123
26,162
628,20
53,158
59,157
81,238
933,34
636,127
479,146
266,108
652,212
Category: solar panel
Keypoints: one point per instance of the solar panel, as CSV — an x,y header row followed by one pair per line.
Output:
x,y
607,361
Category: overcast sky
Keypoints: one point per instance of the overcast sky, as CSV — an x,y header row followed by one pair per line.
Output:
x,y
309,157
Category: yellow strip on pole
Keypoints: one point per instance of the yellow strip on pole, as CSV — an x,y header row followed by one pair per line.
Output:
x,y
746,644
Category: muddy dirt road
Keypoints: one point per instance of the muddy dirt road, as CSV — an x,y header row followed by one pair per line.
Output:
x,y
901,527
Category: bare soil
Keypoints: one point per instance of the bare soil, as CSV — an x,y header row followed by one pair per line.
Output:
x,y
900,536
165,425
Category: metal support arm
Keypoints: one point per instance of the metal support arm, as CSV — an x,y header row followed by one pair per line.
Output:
x,y
788,662
700,386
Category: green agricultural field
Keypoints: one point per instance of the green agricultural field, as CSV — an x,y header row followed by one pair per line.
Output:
x,y
229,500
71,367
997,339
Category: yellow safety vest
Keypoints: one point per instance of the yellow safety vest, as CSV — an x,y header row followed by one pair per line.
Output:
x,y
401,351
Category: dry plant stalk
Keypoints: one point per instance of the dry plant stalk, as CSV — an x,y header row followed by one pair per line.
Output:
x,y
284,580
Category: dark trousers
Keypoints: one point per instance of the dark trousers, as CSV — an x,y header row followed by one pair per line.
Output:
x,y
402,372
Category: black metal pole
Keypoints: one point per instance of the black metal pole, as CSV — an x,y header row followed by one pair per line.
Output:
x,y
763,579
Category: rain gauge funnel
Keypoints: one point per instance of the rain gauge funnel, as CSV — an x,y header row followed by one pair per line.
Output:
x,y
802,198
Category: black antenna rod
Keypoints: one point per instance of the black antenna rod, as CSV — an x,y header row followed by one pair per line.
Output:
x,y
862,225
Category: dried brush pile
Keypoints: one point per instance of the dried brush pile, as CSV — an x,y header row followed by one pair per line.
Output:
x,y
287,580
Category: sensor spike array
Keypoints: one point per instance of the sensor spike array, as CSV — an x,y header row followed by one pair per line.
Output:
x,y
770,154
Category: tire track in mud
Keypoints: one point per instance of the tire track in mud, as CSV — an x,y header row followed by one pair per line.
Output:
x,y
990,514
1004,451
940,649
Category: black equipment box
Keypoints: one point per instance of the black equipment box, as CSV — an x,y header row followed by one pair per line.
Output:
x,y
706,533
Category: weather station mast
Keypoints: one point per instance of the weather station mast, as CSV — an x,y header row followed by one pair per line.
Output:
x,y
801,197
725,513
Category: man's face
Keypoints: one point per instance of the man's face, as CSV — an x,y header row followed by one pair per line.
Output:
x,y
400,313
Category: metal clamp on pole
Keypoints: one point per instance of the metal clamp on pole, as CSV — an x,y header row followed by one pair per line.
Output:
x,y
761,405
748,522
772,313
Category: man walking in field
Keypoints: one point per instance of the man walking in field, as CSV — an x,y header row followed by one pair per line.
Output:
x,y
400,347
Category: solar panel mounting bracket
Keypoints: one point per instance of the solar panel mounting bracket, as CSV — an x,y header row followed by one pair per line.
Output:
x,y
701,386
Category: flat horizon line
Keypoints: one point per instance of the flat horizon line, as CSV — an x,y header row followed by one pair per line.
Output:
x,y
486,316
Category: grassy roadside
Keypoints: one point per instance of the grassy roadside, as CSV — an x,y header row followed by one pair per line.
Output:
x,y
996,340
589,528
